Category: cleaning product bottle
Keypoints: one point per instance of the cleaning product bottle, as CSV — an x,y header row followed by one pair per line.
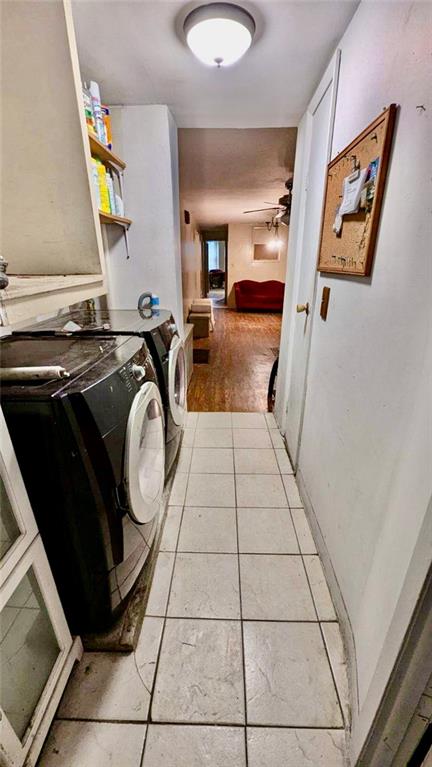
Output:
x,y
119,205
103,188
95,179
88,110
97,111
107,123
110,185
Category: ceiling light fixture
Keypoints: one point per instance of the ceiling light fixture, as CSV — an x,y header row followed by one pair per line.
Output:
x,y
219,34
275,243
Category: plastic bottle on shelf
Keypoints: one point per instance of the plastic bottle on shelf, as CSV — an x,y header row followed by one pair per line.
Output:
x,y
107,124
97,111
119,205
95,179
110,185
88,110
103,188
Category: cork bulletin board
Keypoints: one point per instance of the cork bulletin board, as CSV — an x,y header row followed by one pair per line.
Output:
x,y
348,247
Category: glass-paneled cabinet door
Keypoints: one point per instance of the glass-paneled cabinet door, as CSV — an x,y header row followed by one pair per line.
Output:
x,y
34,645
17,523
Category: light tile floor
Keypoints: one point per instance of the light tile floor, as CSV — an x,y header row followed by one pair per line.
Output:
x,y
240,660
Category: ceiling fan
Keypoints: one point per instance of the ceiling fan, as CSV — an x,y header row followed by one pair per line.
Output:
x,y
282,208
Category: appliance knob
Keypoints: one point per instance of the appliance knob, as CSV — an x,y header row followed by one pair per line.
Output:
x,y
138,372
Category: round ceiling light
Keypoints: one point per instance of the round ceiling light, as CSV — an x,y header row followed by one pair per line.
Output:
x,y
219,34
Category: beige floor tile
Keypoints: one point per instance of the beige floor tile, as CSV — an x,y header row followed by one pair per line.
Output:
x,y
266,531
210,490
249,421
214,420
191,420
295,748
213,438
320,591
114,686
251,438
335,649
255,461
208,530
288,677
205,586
275,587
178,490
147,649
283,461
271,421
188,437
158,597
194,746
304,535
184,460
276,438
200,673
92,744
291,489
171,528
260,490
212,460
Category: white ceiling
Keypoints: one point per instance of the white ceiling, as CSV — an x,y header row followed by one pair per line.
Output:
x,y
225,172
136,52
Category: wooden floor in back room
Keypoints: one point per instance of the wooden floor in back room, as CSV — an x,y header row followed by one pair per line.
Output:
x,y
243,347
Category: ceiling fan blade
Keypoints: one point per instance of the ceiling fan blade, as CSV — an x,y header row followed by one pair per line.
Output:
x,y
258,210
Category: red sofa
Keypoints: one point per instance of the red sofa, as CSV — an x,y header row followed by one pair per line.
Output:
x,y
254,296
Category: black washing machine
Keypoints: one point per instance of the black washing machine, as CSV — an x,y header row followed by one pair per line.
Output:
x,y
162,338
91,449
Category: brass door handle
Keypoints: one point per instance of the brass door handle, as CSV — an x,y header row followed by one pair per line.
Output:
x,y
303,308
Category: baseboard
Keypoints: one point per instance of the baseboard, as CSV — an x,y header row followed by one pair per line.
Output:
x,y
336,594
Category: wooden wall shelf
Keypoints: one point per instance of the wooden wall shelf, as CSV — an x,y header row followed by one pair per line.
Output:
x,y
109,218
104,154
34,284
30,295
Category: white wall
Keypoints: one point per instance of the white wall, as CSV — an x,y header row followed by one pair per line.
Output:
x,y
366,455
241,265
49,221
191,262
146,138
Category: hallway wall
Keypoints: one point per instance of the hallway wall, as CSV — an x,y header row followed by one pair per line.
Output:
x,y
146,138
365,455
240,259
191,261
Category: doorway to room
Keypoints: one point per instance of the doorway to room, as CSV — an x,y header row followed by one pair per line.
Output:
x,y
235,194
215,264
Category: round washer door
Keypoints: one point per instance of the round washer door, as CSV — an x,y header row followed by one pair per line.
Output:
x,y
145,454
177,381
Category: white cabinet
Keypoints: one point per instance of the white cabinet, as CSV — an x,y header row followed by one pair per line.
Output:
x,y
51,234
37,651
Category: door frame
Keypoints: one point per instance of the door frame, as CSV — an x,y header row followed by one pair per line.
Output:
x,y
397,726
219,233
330,78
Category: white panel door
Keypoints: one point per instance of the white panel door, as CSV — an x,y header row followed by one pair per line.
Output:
x,y
36,649
318,127
17,524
